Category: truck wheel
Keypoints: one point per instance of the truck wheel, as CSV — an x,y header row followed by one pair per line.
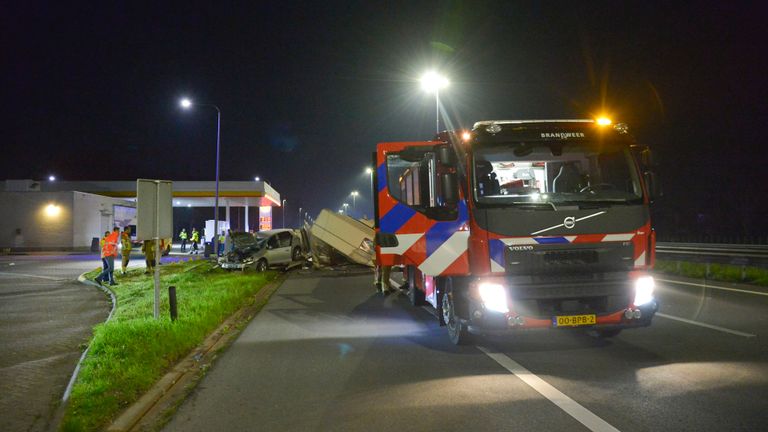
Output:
x,y
261,266
296,254
457,330
415,295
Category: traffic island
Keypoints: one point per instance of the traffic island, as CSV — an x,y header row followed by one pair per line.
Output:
x,y
133,352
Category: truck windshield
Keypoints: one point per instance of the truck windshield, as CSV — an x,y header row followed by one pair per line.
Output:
x,y
552,173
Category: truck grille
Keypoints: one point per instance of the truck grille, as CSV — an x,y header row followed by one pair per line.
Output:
x,y
570,257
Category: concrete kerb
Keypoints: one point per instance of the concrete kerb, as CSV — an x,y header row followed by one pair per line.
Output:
x,y
174,384
82,279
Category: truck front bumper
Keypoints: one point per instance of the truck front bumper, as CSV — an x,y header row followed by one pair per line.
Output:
x,y
489,323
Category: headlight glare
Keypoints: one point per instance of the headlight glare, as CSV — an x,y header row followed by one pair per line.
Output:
x,y
644,290
494,297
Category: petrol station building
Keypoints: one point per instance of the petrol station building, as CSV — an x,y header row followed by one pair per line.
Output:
x,y
67,215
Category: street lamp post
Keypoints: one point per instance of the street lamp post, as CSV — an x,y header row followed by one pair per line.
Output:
x,y
434,82
284,201
187,104
369,171
345,206
354,207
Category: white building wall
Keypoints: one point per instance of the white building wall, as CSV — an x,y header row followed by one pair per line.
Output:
x,y
95,214
40,227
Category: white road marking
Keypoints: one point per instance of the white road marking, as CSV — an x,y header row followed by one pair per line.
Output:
x,y
714,287
709,326
570,406
33,276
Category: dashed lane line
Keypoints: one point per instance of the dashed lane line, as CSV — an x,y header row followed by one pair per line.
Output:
x,y
570,406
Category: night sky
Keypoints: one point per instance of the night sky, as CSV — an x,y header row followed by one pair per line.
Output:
x,y
306,90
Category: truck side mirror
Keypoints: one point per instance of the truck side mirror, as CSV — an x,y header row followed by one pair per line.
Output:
x,y
652,183
647,157
445,155
450,188
384,239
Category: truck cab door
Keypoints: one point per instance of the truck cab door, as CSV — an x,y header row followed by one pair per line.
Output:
x,y
418,202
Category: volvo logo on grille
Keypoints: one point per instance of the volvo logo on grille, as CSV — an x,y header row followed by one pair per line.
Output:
x,y
569,222
521,248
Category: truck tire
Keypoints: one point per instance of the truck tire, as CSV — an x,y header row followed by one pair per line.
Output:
x,y
415,295
261,265
440,285
457,330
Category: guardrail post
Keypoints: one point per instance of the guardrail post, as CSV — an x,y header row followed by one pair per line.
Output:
x,y
743,273
172,302
706,274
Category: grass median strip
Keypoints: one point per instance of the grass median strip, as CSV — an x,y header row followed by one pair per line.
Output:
x,y
719,272
133,350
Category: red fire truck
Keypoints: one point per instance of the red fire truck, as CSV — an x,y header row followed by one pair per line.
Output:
x,y
521,224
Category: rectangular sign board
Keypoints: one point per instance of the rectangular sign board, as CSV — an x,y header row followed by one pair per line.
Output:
x,y
154,201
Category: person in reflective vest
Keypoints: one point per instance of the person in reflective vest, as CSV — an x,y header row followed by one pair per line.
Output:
x,y
195,240
183,238
222,240
127,246
109,252
148,247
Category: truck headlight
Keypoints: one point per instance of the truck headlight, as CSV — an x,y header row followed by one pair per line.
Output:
x,y
644,290
494,297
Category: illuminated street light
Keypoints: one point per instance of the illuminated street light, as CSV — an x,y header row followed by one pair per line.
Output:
x,y
368,170
256,178
187,104
51,178
434,82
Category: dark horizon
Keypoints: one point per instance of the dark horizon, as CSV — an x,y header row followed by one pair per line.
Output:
x,y
306,91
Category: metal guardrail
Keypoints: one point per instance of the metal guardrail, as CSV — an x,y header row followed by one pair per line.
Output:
x,y
736,254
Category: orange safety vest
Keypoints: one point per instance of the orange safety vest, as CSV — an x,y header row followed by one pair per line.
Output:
x,y
110,244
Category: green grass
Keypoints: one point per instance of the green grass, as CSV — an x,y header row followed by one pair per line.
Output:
x,y
133,350
719,272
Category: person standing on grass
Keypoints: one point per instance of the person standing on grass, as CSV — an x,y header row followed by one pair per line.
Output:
x,y
222,239
125,243
101,250
183,238
148,247
109,252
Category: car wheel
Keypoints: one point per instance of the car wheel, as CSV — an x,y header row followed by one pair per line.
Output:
x,y
457,330
261,265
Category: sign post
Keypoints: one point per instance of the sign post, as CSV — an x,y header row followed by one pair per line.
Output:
x,y
155,220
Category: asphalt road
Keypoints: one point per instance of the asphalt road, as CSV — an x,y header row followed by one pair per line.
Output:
x,y
327,353
45,317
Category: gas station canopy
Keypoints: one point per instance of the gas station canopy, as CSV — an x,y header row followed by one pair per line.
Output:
x,y
185,193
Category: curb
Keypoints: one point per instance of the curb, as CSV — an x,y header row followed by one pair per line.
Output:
x,y
173,386
82,279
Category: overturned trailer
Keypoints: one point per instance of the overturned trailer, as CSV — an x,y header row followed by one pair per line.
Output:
x,y
337,239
